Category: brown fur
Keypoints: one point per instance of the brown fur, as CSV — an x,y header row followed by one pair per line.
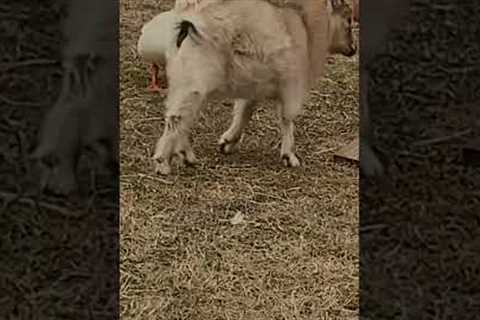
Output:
x,y
315,18
356,10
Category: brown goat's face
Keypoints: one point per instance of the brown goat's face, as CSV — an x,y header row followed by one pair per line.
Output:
x,y
341,35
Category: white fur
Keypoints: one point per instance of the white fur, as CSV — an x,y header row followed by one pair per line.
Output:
x,y
248,51
157,40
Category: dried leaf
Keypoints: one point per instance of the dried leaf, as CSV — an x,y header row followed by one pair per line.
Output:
x,y
237,218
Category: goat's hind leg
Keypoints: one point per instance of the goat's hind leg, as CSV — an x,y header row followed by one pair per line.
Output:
x,y
242,113
287,153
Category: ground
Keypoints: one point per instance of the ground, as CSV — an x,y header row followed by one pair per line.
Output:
x,y
240,236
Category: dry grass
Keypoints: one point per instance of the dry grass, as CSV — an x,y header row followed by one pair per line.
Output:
x,y
295,253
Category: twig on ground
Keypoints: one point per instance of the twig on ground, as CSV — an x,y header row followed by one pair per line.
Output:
x,y
8,197
26,63
21,103
372,227
442,139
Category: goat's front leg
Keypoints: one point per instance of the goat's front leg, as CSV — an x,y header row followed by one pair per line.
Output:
x,y
175,139
242,113
174,143
290,106
57,171
58,148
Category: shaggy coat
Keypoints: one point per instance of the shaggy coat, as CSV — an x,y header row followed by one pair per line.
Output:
x,y
248,51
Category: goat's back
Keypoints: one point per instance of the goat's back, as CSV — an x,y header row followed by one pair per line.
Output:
x,y
224,23
256,43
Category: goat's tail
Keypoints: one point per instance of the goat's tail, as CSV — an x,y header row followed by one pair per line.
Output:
x,y
315,15
186,28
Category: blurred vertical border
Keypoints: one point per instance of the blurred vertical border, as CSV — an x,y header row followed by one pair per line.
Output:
x,y
58,256
420,238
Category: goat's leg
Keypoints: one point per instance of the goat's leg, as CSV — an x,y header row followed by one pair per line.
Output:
x,y
290,106
58,149
370,164
59,176
174,142
242,113
287,152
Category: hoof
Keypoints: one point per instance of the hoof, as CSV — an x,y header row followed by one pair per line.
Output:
x,y
290,160
228,146
187,158
163,168
57,183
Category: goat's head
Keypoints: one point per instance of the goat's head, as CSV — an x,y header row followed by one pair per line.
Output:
x,y
340,28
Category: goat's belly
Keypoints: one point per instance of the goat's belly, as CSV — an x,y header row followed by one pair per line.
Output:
x,y
257,81
255,91
246,91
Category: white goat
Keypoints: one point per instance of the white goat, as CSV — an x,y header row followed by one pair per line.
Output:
x,y
379,18
86,112
248,50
